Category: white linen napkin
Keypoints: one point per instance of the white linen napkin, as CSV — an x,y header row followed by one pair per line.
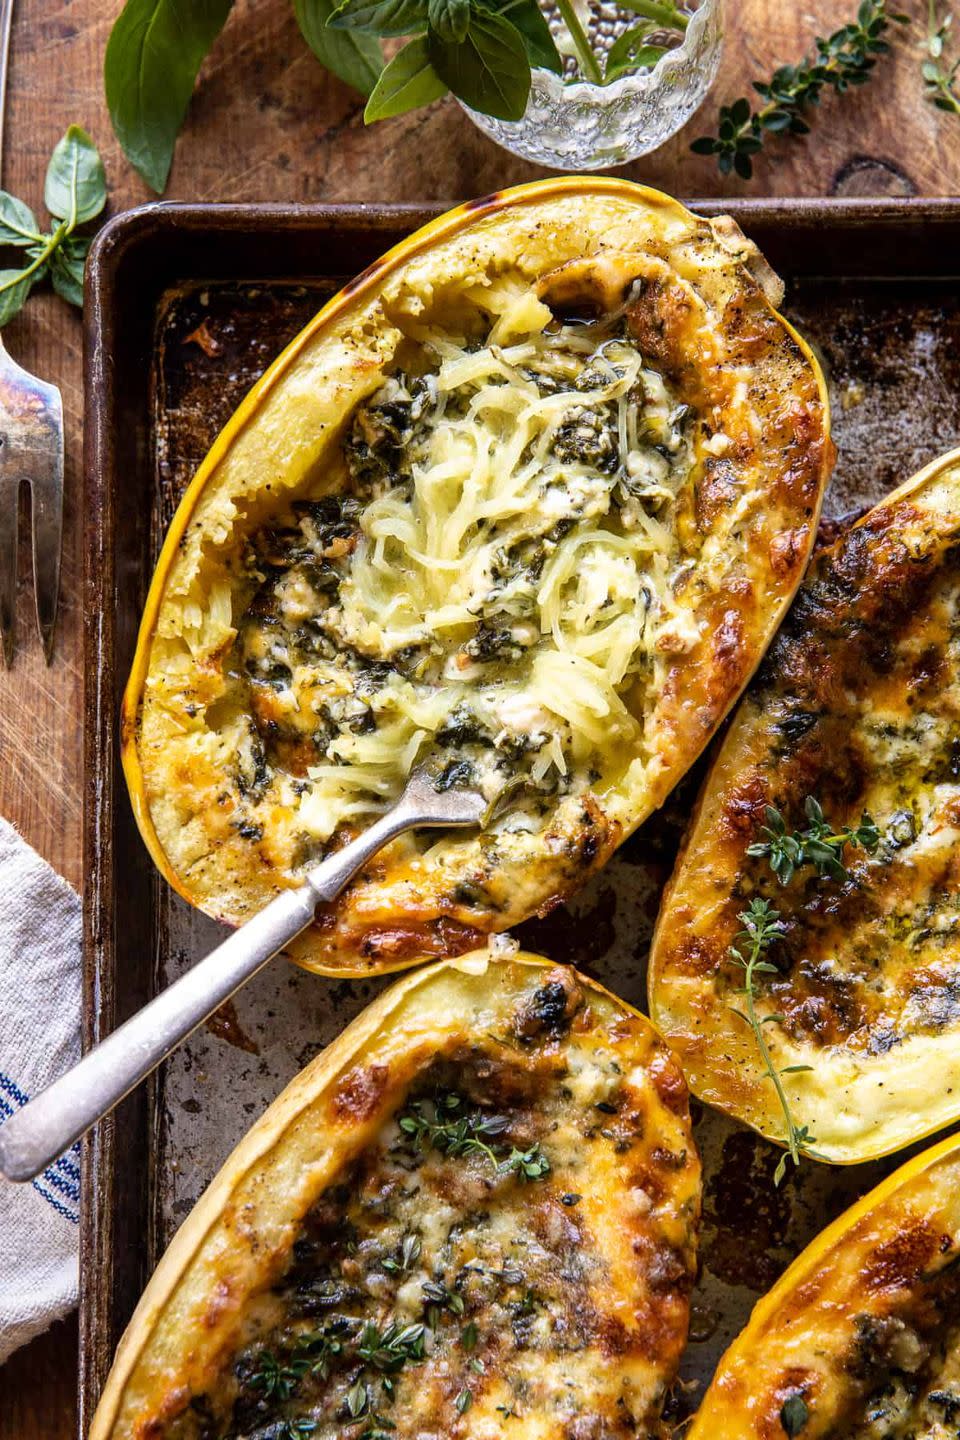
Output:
x,y
40,960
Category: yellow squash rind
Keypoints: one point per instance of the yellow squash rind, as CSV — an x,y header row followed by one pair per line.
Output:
x,y
274,446
859,1101
862,1269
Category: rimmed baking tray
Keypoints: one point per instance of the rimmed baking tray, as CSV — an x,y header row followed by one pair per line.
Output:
x,y
186,306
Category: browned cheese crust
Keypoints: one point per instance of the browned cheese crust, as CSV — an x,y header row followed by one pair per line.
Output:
x,y
474,1215
573,653
857,704
860,1339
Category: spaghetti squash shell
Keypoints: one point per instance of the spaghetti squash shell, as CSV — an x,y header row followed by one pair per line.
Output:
x,y
856,705
705,315
873,1289
559,1056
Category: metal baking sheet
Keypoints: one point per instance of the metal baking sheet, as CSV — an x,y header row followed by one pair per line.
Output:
x,y
189,304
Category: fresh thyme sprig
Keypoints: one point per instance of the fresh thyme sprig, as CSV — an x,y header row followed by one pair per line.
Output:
x,y
313,1351
939,75
455,1131
846,58
818,845
450,1129
761,929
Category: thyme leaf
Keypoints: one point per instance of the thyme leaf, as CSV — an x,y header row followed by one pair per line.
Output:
x,y
529,1164
794,1414
389,1349
450,1129
939,75
842,61
818,845
409,1255
761,928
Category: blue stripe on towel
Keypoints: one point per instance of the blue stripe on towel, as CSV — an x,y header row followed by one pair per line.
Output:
x,y
12,1089
61,1209
66,1183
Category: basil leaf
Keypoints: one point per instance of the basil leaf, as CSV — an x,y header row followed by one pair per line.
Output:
x,y
408,81
357,59
449,19
75,189
489,69
155,50
14,291
628,52
18,224
538,42
66,273
381,17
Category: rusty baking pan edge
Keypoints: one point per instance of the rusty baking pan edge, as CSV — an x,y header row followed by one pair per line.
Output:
x,y
135,258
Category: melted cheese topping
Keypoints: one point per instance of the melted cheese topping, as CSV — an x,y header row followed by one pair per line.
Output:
x,y
859,1340
457,521
423,1248
501,572
858,705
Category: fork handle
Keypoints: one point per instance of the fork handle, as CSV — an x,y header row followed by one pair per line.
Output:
x,y
48,1125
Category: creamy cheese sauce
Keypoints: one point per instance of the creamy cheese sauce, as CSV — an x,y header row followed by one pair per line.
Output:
x,y
494,579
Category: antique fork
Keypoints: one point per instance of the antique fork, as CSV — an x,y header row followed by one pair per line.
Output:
x,y
49,1124
31,452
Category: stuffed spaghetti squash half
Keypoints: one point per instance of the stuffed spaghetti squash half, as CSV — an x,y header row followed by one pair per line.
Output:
x,y
847,745
416,1239
530,497
860,1338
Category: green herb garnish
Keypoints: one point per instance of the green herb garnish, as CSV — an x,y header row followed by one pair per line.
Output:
x,y
794,1414
450,1129
468,1337
819,845
939,75
296,1429
75,191
529,1164
441,1297
357,1400
389,1349
842,61
463,1401
483,51
409,1255
761,929
276,1379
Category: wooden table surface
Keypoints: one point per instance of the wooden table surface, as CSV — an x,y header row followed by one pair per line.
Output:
x,y
269,124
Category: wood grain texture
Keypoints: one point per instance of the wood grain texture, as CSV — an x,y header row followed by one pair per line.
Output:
x,y
269,124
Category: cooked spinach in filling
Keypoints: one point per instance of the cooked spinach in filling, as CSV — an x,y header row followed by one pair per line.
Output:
x,y
454,1266
490,584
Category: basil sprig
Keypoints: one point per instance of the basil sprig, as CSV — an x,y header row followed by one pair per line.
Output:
x,y
75,191
481,50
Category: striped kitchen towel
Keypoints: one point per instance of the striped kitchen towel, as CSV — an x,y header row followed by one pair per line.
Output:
x,y
40,949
